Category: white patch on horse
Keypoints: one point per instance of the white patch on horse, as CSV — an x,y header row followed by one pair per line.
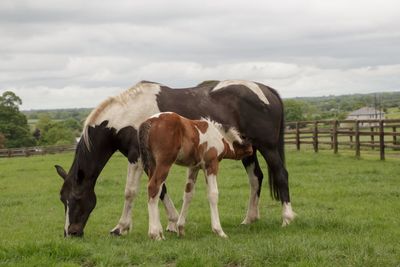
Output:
x,y
130,108
157,115
249,84
67,223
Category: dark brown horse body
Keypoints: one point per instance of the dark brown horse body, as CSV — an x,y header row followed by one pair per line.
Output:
x,y
254,109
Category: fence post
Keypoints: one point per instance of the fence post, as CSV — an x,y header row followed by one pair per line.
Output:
x,y
357,137
315,136
381,140
297,136
372,137
335,136
394,135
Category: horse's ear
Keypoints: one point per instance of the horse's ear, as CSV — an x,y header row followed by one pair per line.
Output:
x,y
61,171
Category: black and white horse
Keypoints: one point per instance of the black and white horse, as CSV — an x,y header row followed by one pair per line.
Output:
x,y
253,109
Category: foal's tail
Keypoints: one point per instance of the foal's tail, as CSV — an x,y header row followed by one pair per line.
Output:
x,y
145,153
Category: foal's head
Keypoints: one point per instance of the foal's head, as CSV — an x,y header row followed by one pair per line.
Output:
x,y
236,146
242,150
77,195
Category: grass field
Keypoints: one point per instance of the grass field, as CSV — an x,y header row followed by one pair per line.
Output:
x,y
348,215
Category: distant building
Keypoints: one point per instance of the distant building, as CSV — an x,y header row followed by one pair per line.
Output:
x,y
366,113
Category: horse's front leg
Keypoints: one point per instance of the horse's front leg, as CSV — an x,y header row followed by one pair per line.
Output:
x,y
255,176
187,198
211,178
135,171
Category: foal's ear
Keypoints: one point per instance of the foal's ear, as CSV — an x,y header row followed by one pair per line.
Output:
x,y
61,171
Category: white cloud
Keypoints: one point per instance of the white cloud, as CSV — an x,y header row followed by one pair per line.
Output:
x,y
301,47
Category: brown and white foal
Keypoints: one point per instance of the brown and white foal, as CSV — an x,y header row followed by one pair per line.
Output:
x,y
167,138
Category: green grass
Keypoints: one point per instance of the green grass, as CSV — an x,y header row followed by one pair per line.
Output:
x,y
348,215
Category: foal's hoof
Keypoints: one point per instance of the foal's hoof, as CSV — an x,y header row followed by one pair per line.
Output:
x,y
115,232
171,227
120,230
220,233
157,236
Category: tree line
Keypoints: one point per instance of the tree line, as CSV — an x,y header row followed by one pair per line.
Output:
x,y
15,131
63,126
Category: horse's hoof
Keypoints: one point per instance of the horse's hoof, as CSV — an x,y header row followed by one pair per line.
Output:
x,y
115,232
171,227
248,220
181,230
157,237
287,218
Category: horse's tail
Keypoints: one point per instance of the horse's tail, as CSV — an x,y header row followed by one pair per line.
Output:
x,y
145,153
274,185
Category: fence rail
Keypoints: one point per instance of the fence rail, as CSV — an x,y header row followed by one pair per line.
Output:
x,y
30,151
353,134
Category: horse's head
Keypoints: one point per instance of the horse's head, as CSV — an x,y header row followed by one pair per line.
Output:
x,y
77,195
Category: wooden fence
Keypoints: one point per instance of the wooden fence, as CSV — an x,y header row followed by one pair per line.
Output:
x,y
358,135
30,151
354,134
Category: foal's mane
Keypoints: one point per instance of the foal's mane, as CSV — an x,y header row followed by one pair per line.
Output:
x,y
231,134
120,99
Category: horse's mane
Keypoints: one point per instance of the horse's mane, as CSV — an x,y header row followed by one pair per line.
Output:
x,y
231,134
120,99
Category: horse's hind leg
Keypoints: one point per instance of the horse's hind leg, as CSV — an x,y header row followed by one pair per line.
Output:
x,y
279,183
170,209
154,188
135,171
187,198
255,176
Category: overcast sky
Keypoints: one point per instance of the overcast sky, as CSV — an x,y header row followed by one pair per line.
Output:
x,y
74,53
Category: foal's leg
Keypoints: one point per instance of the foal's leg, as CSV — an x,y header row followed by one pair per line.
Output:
x,y
187,198
211,179
154,188
135,171
279,178
170,209
255,176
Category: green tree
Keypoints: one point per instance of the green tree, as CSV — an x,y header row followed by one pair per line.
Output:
x,y
13,124
56,133
294,110
2,141
10,99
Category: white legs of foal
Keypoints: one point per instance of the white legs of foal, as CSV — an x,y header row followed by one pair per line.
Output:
x,y
187,198
212,192
155,227
253,213
213,200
